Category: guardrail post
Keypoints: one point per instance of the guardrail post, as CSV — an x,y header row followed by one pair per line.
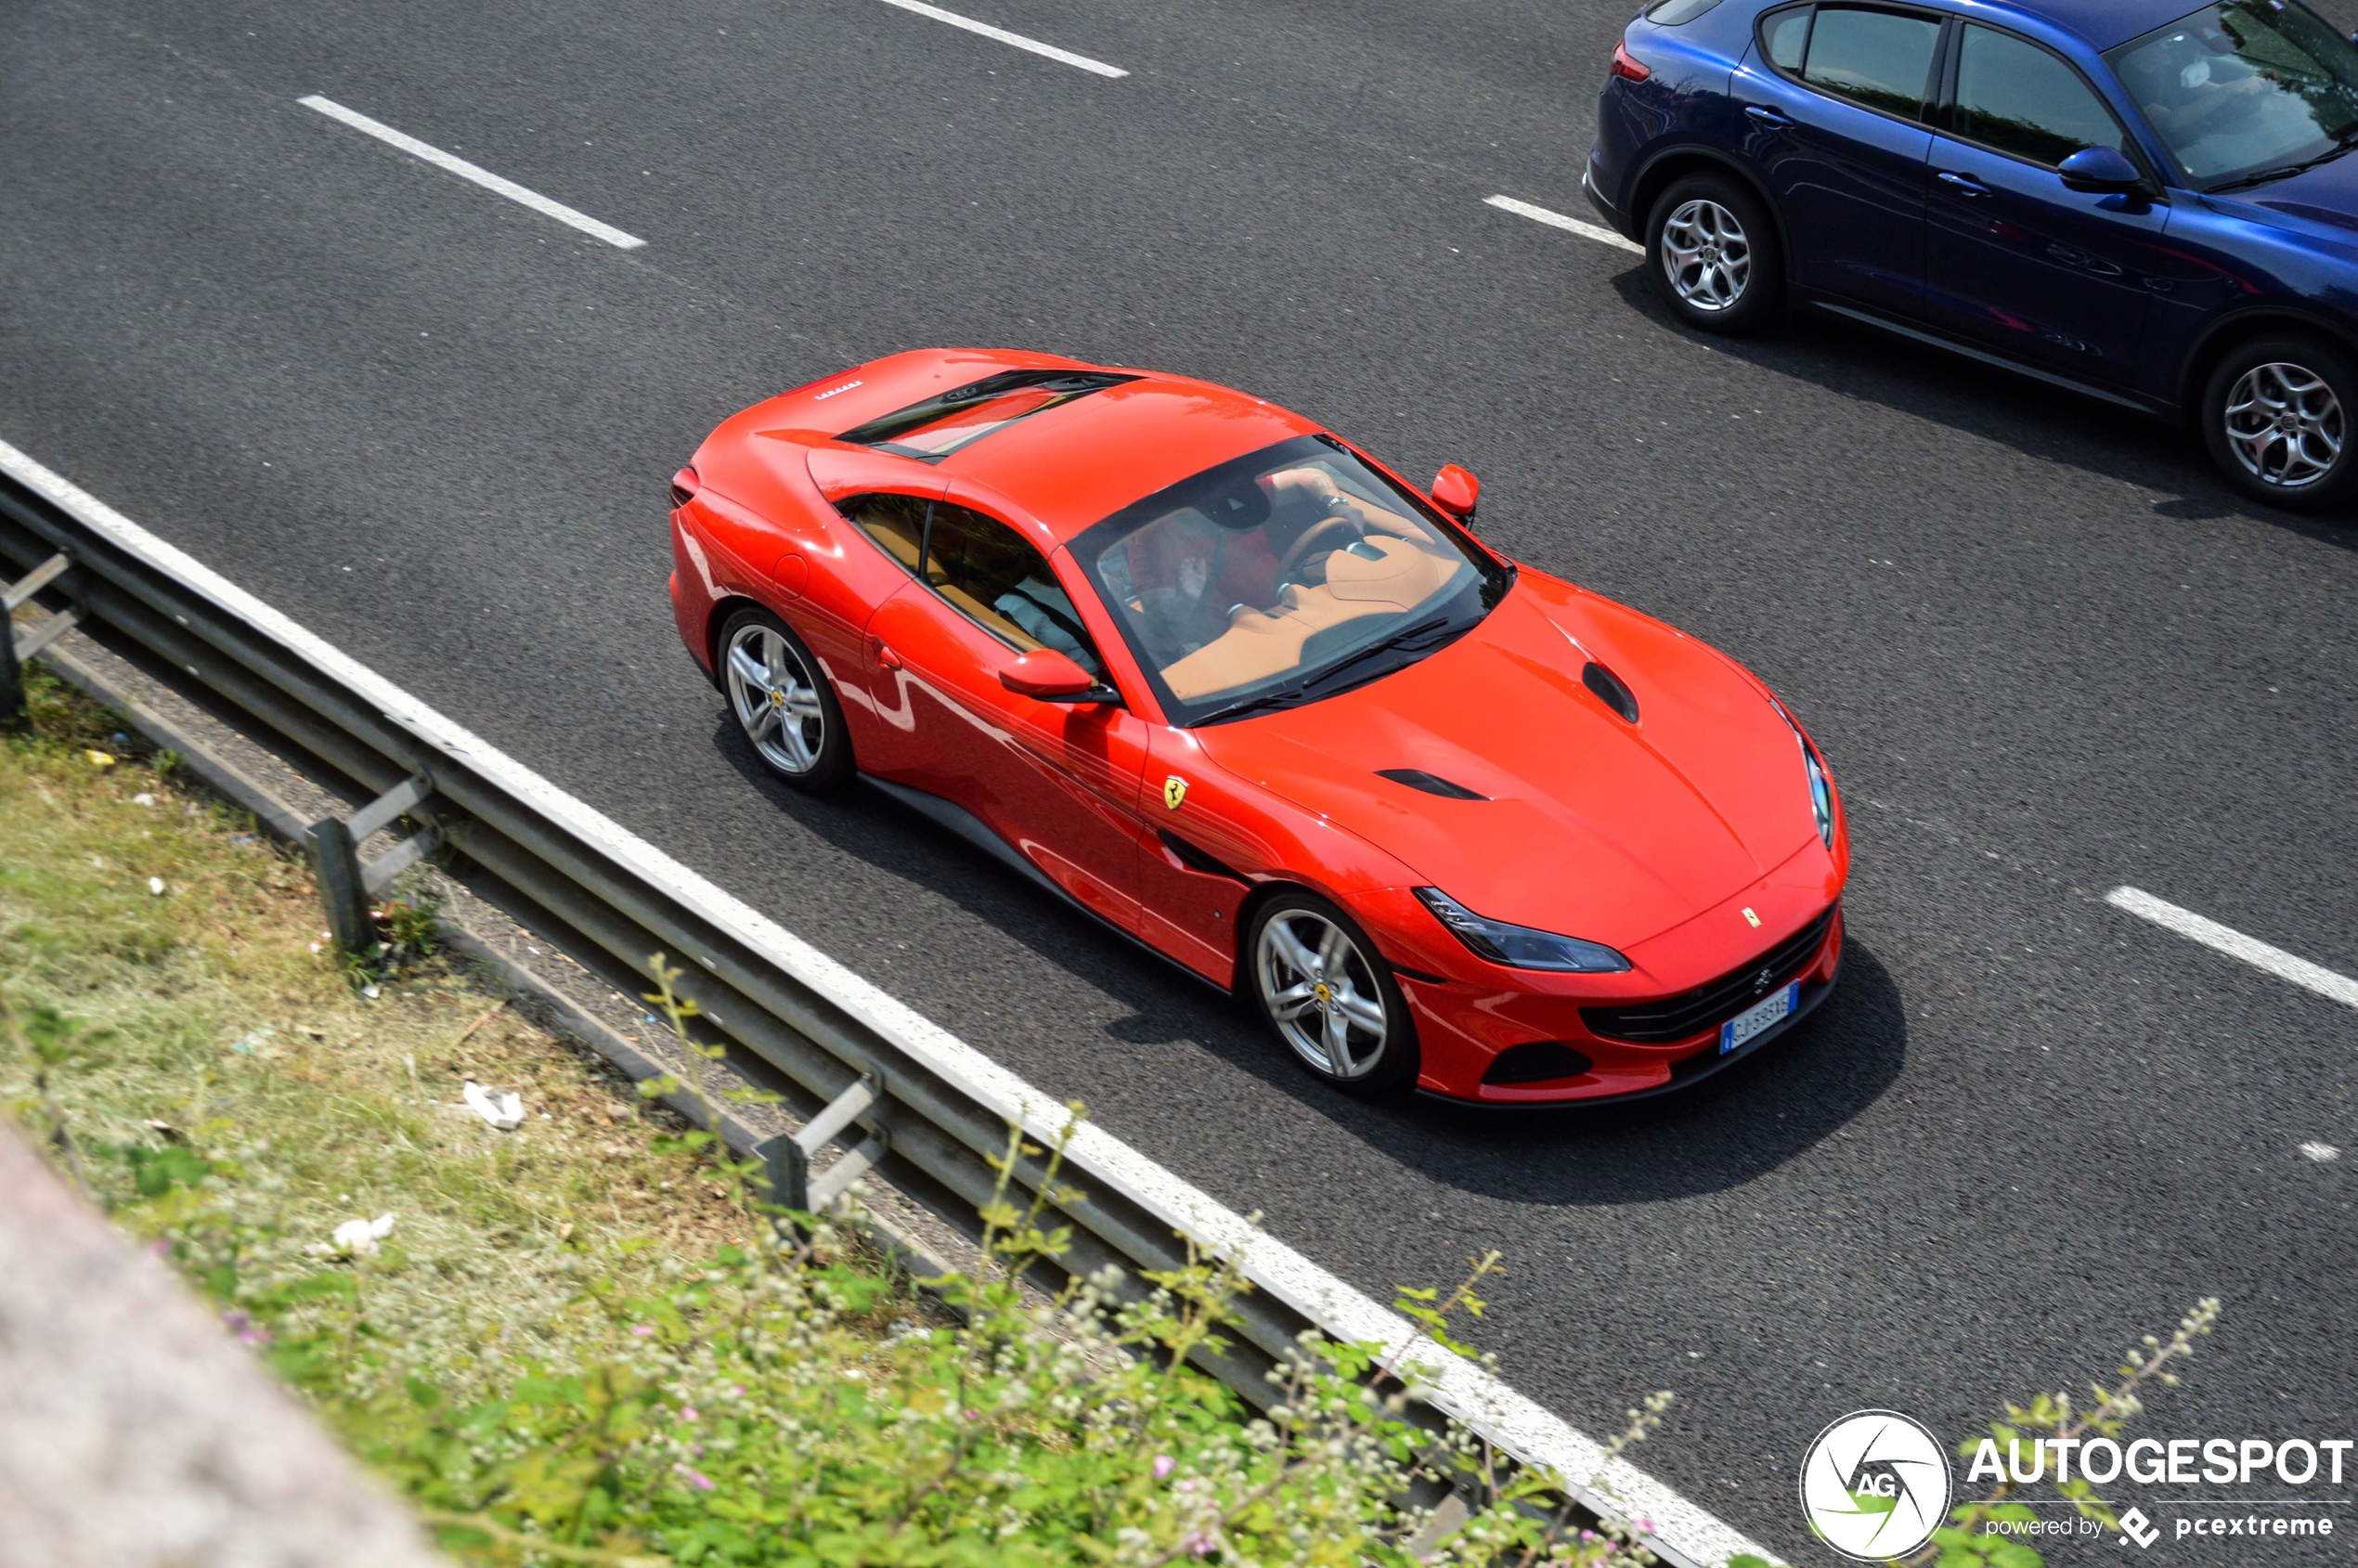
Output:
x,y
15,650
347,882
787,1157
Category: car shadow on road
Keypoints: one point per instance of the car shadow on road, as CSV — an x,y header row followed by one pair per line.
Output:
x,y
2032,418
1732,1127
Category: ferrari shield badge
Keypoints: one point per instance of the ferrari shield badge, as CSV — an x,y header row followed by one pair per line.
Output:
x,y
1175,790
1751,917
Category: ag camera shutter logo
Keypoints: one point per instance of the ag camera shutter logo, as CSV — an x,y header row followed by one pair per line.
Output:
x,y
1875,1485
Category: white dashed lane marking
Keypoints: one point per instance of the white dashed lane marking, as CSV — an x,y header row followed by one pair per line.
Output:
x,y
2235,944
467,170
1581,226
1016,40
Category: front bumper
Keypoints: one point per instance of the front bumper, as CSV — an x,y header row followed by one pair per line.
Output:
x,y
1472,1032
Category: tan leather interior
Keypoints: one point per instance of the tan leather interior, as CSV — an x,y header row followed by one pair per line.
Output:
x,y
1395,577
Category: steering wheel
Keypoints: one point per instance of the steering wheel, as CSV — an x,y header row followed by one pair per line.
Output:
x,y
1307,543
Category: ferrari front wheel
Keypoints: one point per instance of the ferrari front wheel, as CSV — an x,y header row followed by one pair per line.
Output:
x,y
783,702
1330,996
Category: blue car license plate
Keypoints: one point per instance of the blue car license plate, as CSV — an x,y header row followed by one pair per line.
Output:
x,y
1758,1017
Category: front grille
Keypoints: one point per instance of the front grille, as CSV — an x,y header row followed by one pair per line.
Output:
x,y
1707,1006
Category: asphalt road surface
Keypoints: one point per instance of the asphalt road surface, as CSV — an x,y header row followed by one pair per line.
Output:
x,y
2046,651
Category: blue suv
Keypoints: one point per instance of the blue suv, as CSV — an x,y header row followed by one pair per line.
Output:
x,y
2146,205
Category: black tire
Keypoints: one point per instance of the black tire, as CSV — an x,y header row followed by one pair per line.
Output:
x,y
815,753
1344,982
2280,416
1736,236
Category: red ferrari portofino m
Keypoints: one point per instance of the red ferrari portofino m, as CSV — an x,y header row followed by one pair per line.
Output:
x,y
1236,689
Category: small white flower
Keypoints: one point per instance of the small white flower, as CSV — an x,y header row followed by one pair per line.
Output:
x,y
369,992
143,798
155,885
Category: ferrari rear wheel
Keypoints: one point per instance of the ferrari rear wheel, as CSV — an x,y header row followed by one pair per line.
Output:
x,y
783,701
1330,996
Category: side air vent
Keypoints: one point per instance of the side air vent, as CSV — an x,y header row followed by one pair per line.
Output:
x,y
1610,691
1537,1063
1196,860
1432,783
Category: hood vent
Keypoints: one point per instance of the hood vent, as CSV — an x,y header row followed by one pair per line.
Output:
x,y
1432,783
1610,691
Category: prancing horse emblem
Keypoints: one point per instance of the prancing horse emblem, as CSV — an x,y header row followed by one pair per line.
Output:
x,y
1175,790
1763,980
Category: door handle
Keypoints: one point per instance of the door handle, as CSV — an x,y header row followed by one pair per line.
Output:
x,y
1964,184
1767,117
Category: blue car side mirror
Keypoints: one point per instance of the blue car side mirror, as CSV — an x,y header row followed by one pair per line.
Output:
x,y
2099,168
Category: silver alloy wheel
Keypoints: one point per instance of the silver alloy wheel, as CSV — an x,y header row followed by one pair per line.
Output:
x,y
1706,255
2285,424
774,698
1323,995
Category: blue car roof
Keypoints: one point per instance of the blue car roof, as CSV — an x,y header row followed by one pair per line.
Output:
x,y
2106,22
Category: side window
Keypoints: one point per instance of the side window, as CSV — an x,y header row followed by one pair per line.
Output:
x,y
1879,58
998,581
2015,96
1783,37
898,523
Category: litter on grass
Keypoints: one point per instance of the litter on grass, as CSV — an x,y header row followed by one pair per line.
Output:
x,y
155,885
503,1108
99,759
354,1239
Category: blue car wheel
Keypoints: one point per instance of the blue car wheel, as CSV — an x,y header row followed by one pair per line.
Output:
x,y
2279,414
1715,254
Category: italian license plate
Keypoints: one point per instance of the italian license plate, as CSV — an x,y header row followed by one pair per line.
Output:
x,y
1759,1017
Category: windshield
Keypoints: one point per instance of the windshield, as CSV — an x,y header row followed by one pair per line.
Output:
x,y
1282,577
2245,89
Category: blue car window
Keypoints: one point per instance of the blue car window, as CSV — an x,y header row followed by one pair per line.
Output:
x,y
1784,36
1670,13
2239,92
2015,96
1880,58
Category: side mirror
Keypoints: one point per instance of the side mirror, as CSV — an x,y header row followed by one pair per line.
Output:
x,y
1050,677
1455,491
2100,169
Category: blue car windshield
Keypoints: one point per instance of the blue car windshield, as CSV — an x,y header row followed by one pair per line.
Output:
x,y
2243,91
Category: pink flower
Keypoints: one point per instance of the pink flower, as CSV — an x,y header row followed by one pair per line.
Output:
x,y
687,1412
736,1390
643,1332
696,1479
1163,1465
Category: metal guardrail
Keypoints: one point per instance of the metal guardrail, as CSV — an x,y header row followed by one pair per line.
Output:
x,y
938,1111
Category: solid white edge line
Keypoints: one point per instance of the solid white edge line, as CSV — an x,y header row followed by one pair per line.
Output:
x,y
1587,230
467,170
1003,36
2235,944
1523,1428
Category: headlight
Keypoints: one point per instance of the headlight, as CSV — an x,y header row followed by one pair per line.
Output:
x,y
1822,792
1520,947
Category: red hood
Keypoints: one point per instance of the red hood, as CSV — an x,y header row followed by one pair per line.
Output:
x,y
1594,827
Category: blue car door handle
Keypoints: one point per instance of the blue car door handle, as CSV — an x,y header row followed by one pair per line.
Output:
x,y
1964,184
1767,117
